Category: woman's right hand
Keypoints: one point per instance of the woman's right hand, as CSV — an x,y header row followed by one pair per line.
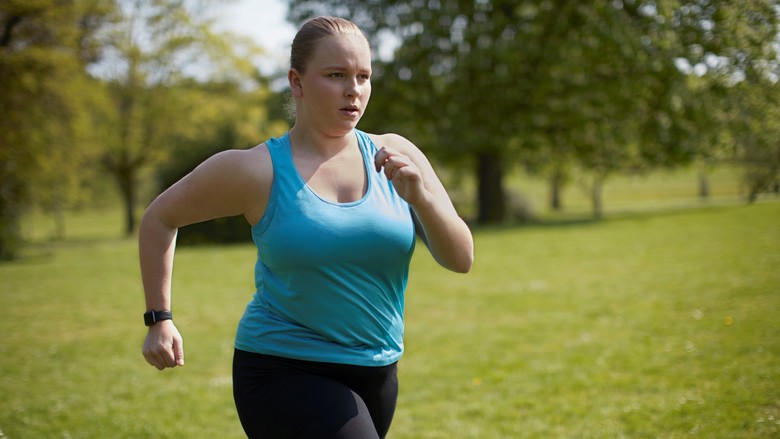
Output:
x,y
163,346
230,183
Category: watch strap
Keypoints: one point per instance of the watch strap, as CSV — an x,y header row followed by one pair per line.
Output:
x,y
152,317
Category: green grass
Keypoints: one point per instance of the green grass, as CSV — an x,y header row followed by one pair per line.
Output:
x,y
649,326
655,324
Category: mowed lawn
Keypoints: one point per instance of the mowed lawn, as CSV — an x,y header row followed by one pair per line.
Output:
x,y
659,324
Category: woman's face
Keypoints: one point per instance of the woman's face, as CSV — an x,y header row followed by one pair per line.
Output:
x,y
335,89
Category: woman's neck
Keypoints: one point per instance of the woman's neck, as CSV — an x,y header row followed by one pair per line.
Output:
x,y
307,140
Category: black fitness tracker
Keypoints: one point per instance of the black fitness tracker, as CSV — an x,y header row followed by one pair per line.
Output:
x,y
152,317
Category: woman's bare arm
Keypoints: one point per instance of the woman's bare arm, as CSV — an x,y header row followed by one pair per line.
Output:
x,y
447,236
230,183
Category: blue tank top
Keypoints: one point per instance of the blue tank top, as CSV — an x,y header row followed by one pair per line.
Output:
x,y
330,277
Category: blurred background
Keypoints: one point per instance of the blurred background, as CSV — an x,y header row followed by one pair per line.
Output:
x,y
618,161
107,102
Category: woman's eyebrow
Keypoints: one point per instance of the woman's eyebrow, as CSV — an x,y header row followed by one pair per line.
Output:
x,y
343,67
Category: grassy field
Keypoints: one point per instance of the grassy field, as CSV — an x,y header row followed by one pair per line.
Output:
x,y
658,323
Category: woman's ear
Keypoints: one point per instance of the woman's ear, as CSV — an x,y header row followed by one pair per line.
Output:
x,y
295,83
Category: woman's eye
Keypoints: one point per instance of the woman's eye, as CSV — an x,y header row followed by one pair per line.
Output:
x,y
336,75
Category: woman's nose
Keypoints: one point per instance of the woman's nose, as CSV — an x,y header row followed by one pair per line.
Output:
x,y
353,88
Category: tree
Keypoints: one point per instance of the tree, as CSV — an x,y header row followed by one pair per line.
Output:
x,y
750,72
586,102
44,48
631,107
153,47
755,120
438,74
220,116
729,106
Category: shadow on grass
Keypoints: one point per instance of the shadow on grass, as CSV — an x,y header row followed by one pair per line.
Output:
x,y
44,250
582,219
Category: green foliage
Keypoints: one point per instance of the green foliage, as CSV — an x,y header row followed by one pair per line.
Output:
x,y
755,113
118,86
648,325
561,89
557,86
155,45
45,138
219,116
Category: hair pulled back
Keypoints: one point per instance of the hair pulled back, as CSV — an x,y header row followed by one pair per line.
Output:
x,y
312,32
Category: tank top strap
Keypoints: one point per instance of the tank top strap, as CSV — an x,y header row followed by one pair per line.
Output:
x,y
285,179
281,156
367,148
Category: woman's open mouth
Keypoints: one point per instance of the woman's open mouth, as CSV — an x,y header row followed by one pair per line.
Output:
x,y
351,110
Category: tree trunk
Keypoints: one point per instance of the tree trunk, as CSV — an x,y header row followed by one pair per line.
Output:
x,y
56,207
58,212
124,174
753,193
490,188
556,186
596,197
126,179
11,194
704,186
124,171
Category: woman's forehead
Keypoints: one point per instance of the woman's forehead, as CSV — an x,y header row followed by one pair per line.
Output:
x,y
349,50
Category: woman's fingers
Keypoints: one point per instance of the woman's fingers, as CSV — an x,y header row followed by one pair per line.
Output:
x,y
154,359
402,171
380,158
163,346
391,161
178,351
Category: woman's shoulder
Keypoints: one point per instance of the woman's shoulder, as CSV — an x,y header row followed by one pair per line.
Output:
x,y
392,140
251,160
245,170
248,175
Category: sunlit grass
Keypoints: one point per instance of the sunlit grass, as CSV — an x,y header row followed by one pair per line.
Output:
x,y
651,326
661,323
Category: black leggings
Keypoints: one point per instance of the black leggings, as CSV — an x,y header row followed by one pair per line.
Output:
x,y
281,398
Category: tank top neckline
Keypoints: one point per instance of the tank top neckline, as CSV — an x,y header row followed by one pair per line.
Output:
x,y
366,168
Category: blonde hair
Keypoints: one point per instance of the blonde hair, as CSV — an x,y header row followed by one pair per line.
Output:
x,y
312,32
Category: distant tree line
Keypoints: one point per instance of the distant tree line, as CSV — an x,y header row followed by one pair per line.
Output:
x,y
138,92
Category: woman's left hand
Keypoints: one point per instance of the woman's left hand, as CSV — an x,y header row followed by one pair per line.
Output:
x,y
414,179
403,172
